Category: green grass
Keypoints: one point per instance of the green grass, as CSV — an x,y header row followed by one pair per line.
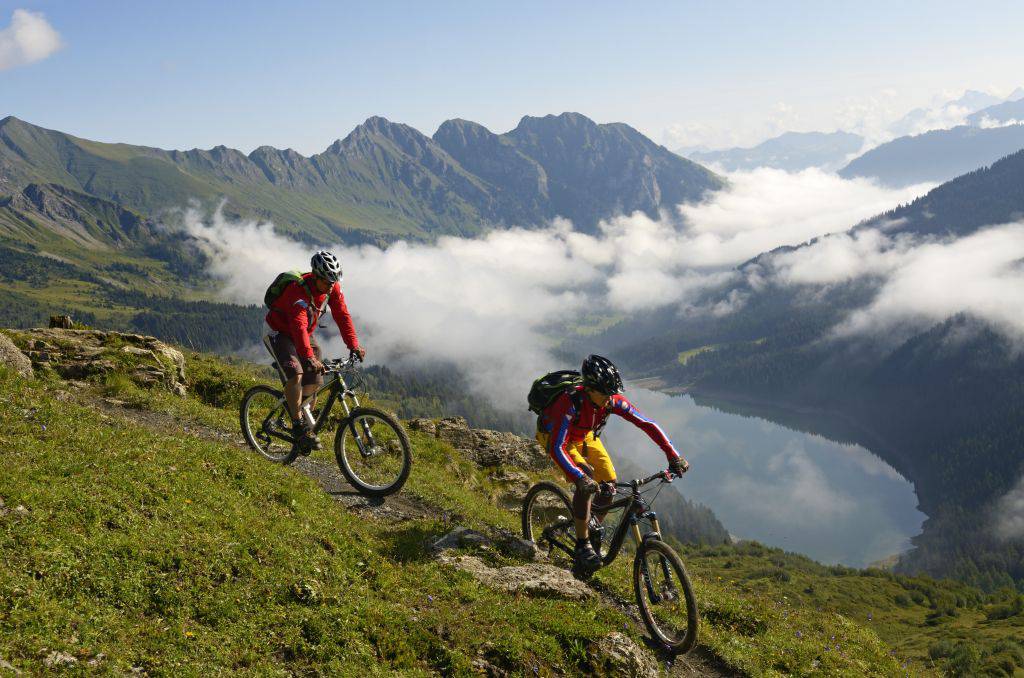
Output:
x,y
166,551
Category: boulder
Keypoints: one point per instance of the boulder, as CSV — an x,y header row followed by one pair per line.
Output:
x,y
92,354
535,579
485,447
617,654
13,359
460,537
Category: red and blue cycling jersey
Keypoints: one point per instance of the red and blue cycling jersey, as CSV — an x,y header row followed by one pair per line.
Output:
x,y
572,415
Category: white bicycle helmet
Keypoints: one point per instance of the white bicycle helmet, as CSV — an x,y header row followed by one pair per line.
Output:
x,y
326,265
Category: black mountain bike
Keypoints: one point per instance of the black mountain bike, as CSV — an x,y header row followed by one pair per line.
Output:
x,y
663,590
371,447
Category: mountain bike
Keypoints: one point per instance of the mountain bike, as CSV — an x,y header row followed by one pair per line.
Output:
x,y
662,587
371,447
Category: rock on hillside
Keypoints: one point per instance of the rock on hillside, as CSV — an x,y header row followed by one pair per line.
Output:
x,y
13,359
93,354
485,447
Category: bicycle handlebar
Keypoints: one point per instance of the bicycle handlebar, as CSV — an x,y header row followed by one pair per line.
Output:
x,y
663,476
339,365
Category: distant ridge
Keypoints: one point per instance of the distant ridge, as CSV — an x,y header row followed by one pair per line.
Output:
x,y
382,181
791,151
935,156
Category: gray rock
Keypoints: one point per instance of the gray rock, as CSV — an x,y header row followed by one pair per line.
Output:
x,y
617,654
486,447
522,549
85,354
539,580
7,666
460,537
57,658
13,359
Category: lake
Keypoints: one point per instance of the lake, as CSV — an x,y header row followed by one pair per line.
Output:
x,y
835,502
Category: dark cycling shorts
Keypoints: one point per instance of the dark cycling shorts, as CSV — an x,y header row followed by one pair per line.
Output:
x,y
290,362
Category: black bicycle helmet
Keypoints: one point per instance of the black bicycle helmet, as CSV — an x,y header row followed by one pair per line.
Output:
x,y
326,265
601,375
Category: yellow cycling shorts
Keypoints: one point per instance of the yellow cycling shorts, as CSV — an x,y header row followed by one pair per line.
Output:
x,y
582,453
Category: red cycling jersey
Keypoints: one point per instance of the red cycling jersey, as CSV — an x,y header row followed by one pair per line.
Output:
x,y
293,314
567,424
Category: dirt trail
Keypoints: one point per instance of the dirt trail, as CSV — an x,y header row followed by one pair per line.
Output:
x,y
394,509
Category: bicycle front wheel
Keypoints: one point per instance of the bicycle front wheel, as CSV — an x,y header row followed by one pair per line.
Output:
x,y
264,416
373,452
547,521
665,596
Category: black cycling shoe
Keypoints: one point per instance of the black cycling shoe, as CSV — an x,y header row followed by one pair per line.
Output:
x,y
585,559
596,536
305,438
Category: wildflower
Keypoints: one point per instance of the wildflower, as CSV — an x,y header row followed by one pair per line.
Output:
x,y
799,634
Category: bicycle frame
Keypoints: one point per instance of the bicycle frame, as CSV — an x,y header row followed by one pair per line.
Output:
x,y
635,509
338,391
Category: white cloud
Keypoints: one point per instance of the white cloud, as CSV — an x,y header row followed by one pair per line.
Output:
x,y
28,39
991,123
1009,515
924,281
493,300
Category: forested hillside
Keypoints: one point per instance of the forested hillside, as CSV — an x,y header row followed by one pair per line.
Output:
x,y
944,407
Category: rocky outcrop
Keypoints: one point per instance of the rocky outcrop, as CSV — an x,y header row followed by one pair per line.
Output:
x,y
616,654
93,354
485,447
536,579
13,359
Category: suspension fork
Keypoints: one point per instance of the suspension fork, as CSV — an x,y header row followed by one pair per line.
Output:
x,y
345,394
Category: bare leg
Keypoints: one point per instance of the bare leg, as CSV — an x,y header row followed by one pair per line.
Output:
x,y
293,395
581,515
308,390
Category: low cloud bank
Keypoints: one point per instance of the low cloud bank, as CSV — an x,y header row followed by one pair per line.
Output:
x,y
28,39
1009,523
923,281
490,303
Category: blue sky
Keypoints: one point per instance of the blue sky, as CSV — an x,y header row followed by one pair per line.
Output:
x,y
301,74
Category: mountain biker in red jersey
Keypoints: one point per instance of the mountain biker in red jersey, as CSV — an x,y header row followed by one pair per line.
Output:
x,y
569,428
294,316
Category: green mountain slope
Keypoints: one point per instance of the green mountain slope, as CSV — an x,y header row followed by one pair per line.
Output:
x,y
382,181
944,407
137,536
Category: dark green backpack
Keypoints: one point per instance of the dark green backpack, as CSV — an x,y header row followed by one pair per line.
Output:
x,y
282,281
550,386
285,279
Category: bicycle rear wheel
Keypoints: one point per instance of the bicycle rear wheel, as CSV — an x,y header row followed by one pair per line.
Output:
x,y
373,452
547,521
665,596
262,415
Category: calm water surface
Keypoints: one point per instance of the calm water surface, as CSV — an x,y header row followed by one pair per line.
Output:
x,y
834,502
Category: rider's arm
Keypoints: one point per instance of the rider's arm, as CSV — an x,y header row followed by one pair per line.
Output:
x,y
560,415
621,406
342,318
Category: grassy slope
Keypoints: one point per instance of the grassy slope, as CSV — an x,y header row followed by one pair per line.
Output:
x,y
159,549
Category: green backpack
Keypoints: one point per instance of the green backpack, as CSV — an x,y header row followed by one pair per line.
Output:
x,y
550,386
285,279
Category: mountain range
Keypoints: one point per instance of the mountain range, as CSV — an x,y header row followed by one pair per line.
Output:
x,y
791,151
383,181
936,156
